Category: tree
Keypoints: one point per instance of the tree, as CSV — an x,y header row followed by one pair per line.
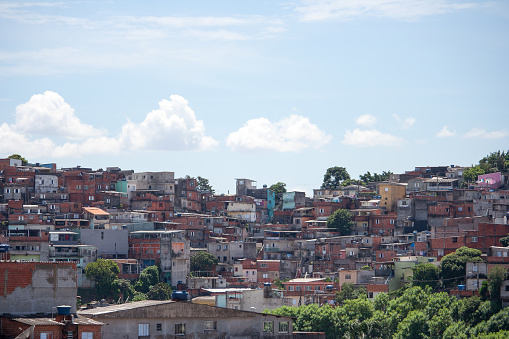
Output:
x,y
453,264
426,274
341,220
278,188
349,291
375,177
18,157
124,289
148,277
470,174
505,241
160,291
334,177
495,279
203,261
203,184
104,273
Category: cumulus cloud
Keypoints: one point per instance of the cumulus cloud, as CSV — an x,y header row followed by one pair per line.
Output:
x,y
319,10
171,127
371,137
366,120
482,133
292,134
445,132
49,114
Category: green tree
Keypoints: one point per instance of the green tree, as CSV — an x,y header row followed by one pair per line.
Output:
x,y
203,261
203,184
160,291
495,162
375,177
505,241
470,174
124,289
349,291
495,279
426,274
341,220
453,265
278,188
104,273
18,157
334,177
413,326
148,277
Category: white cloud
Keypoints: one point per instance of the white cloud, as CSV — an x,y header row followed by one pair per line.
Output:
x,y
445,132
482,133
371,137
319,10
172,127
405,124
292,134
366,120
49,114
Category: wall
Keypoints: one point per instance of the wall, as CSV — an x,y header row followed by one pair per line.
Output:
x,y
31,287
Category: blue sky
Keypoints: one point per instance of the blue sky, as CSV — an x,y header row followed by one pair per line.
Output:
x,y
266,90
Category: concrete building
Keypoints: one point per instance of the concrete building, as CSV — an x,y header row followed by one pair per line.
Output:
x,y
390,193
110,243
169,248
169,319
255,300
82,255
34,287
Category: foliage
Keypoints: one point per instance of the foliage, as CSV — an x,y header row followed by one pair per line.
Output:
x,y
138,296
203,184
505,241
426,274
349,291
471,174
375,177
104,273
366,268
278,188
160,291
18,157
495,162
279,283
341,220
333,178
453,264
495,279
416,313
148,277
203,261
124,289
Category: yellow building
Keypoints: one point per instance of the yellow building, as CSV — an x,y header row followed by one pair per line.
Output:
x,y
390,193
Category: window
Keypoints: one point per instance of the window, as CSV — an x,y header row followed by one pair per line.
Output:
x,y
143,330
308,288
159,327
392,221
225,247
268,326
91,197
283,327
210,325
507,288
180,329
454,239
290,288
377,221
265,275
460,209
264,265
474,239
87,335
45,335
348,276
298,288
387,189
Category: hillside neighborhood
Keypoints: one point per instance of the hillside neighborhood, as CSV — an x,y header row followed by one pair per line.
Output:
x,y
267,247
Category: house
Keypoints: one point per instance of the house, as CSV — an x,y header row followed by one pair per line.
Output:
x,y
63,325
165,319
390,193
491,180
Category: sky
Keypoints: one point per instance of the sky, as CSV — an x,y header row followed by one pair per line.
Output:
x,y
265,90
